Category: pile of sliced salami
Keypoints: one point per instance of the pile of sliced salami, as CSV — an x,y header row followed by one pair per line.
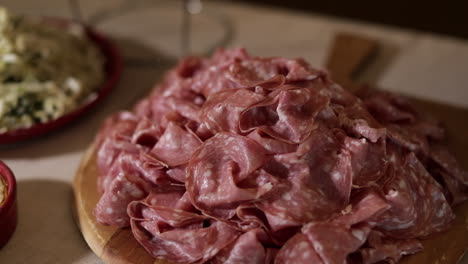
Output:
x,y
241,159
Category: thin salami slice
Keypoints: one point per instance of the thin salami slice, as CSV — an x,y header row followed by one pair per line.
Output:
x,y
381,248
175,146
222,110
288,117
181,239
418,205
453,176
320,175
127,186
368,160
219,170
246,249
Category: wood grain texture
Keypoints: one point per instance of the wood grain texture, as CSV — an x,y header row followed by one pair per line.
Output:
x,y
348,55
116,245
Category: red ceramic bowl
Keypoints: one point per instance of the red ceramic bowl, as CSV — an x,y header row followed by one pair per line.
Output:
x,y
8,208
113,71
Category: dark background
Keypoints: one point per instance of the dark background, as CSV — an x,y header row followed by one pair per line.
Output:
x,y
444,17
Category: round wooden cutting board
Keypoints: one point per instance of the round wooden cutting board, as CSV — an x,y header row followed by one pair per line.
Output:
x,y
117,245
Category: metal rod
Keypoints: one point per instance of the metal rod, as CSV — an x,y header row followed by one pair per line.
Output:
x,y
76,10
185,29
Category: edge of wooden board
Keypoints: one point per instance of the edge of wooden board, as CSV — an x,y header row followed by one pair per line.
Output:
x,y
111,244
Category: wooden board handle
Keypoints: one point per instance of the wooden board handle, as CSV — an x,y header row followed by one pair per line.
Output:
x,y
348,55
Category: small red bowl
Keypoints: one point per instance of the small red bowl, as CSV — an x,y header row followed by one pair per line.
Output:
x,y
8,207
113,71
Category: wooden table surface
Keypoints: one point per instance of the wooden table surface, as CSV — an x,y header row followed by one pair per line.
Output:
x,y
419,64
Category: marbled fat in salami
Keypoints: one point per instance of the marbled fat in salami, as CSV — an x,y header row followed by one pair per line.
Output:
x,y
242,159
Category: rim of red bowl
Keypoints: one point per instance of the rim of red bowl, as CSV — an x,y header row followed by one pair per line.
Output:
x,y
10,180
113,71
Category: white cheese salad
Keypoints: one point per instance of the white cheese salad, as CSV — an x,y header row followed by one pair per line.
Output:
x,y
45,70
